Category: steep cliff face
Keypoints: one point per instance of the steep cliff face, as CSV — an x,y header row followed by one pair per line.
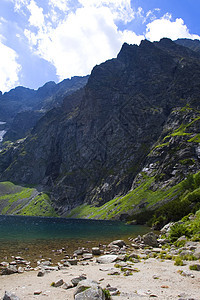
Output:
x,y
21,107
91,149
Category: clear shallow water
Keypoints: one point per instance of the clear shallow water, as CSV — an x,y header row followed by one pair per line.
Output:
x,y
37,236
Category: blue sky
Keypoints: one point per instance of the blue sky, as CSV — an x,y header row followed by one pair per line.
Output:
x,y
43,40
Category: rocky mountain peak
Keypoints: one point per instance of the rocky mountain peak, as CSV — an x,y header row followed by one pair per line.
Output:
x,y
91,148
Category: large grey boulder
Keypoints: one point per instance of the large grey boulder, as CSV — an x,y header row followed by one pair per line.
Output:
x,y
150,239
85,284
107,259
93,293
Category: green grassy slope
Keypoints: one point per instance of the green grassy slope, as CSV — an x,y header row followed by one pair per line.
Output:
x,y
18,200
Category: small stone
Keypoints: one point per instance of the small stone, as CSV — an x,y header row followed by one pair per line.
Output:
x,y
135,246
164,286
114,273
20,270
73,262
78,251
37,292
119,243
40,273
67,285
76,280
87,256
96,251
58,283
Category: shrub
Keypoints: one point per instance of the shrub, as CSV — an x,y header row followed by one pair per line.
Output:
x,y
107,294
177,230
178,261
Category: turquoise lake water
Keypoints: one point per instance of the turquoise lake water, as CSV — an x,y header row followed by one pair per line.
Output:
x,y
31,236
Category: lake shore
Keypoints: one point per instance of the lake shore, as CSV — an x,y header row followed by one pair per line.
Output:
x,y
138,271
169,285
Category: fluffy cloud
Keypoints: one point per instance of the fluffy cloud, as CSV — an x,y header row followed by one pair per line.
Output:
x,y
9,68
37,18
83,38
165,27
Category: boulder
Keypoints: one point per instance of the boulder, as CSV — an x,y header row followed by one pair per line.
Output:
x,y
119,243
150,239
85,284
76,280
106,259
91,294
96,251
9,270
10,296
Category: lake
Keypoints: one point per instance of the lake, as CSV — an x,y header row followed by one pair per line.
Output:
x,y
36,237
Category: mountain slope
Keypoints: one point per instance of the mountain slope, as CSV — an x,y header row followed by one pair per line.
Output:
x,y
94,150
21,107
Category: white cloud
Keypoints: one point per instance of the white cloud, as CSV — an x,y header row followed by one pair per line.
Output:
x,y
37,18
62,5
9,68
131,37
165,27
83,38
121,9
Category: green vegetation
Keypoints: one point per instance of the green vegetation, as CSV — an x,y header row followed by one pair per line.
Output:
x,y
194,267
20,200
142,196
107,294
39,206
178,261
188,226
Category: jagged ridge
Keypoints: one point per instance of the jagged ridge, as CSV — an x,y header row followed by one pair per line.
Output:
x,y
92,152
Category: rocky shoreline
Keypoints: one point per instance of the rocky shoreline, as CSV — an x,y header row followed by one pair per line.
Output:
x,y
146,267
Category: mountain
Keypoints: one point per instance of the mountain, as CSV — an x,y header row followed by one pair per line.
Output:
x,y
21,107
191,44
123,145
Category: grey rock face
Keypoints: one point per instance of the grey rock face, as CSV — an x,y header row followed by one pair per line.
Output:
x,y
101,135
